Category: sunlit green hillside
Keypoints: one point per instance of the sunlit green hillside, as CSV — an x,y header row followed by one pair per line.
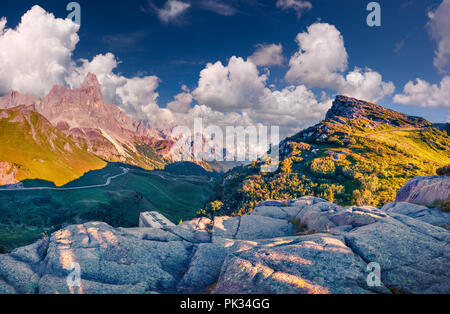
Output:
x,y
35,149
361,154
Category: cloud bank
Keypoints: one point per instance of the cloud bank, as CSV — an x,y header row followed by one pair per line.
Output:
x,y
423,94
231,93
420,92
37,53
439,26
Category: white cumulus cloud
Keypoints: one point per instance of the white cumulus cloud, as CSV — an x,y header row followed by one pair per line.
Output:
x,y
268,55
182,101
234,86
366,85
321,57
293,108
423,94
322,61
439,26
37,53
240,92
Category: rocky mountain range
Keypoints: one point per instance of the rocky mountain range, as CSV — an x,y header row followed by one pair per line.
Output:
x,y
100,128
314,226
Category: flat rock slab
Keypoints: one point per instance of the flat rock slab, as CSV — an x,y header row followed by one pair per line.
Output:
x,y
55,285
270,211
6,288
414,256
261,227
111,261
204,268
432,216
18,275
297,265
225,227
256,253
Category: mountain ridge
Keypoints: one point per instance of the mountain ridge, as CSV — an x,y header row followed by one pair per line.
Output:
x,y
361,153
101,129
347,112
34,148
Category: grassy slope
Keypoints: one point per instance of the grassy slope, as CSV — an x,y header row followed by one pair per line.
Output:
x,y
24,215
352,167
40,151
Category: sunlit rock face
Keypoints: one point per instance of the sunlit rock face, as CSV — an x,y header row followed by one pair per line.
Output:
x,y
101,128
7,173
425,190
351,112
306,245
107,131
355,109
14,99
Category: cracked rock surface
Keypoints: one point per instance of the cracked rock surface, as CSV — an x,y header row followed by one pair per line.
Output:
x,y
307,245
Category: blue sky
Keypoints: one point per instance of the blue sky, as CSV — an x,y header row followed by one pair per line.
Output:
x,y
176,50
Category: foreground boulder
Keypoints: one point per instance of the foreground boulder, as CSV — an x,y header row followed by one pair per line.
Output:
x,y
433,216
425,190
306,245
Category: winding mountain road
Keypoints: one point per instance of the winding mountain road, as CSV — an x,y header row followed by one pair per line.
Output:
x,y
108,182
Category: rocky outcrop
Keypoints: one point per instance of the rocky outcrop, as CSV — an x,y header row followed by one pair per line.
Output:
x,y
425,190
7,173
102,127
14,99
433,216
347,112
355,109
306,245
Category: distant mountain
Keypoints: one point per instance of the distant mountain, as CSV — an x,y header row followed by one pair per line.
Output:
x,y
14,99
361,153
32,148
103,129
442,126
98,128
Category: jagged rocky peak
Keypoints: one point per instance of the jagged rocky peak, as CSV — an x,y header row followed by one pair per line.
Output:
x,y
92,86
346,108
89,94
15,98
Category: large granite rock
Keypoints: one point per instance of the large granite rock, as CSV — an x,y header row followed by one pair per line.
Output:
x,y
414,256
425,190
317,263
305,245
433,216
